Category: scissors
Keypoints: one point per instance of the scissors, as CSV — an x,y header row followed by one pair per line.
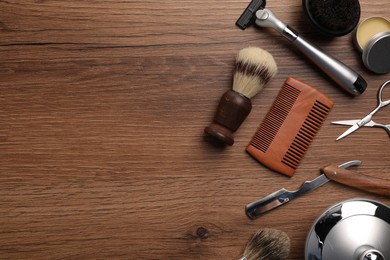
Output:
x,y
367,120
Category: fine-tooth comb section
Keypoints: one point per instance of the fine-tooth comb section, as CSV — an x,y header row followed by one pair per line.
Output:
x,y
275,117
305,135
289,127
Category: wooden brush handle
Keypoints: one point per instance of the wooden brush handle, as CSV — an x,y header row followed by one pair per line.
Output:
x,y
357,180
232,110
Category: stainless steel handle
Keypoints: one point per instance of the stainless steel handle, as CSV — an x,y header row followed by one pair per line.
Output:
x,y
386,127
340,73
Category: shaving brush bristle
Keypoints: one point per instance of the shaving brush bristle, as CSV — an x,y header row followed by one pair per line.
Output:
x,y
254,68
268,244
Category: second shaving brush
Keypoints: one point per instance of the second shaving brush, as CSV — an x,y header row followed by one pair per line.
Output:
x,y
267,244
254,68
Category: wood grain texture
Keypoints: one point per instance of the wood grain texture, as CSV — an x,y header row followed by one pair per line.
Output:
x,y
102,110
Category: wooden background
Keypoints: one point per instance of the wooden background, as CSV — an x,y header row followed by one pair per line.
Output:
x,y
102,111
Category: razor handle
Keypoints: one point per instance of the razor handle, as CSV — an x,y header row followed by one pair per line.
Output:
x,y
357,180
340,73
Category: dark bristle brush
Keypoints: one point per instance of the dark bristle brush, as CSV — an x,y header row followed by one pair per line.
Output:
x,y
332,17
254,68
267,244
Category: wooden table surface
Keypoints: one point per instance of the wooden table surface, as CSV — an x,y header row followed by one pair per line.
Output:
x,y
102,111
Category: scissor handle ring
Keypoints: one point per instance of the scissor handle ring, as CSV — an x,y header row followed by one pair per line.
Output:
x,y
381,102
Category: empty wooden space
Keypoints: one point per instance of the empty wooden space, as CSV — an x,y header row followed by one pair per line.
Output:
x,y
102,111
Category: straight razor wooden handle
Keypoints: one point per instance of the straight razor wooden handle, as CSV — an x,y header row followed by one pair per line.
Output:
x,y
357,180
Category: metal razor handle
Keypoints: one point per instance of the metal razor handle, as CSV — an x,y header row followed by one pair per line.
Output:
x,y
340,73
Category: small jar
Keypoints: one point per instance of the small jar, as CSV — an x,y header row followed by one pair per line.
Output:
x,y
372,38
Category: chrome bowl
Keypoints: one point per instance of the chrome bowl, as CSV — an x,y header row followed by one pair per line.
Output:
x,y
357,229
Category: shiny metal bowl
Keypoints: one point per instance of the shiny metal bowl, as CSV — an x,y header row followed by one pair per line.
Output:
x,y
357,229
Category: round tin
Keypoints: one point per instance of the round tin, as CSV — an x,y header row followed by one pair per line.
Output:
x,y
376,54
372,38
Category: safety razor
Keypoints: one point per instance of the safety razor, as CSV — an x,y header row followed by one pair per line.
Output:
x,y
341,74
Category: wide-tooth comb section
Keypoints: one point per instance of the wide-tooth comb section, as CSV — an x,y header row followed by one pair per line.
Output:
x,y
289,127
306,134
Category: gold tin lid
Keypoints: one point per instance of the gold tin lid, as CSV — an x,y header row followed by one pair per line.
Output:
x,y
368,28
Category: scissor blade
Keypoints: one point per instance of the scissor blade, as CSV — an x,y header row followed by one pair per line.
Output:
x,y
345,122
352,122
349,131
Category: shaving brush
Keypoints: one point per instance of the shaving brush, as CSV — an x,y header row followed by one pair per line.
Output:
x,y
267,244
332,17
254,68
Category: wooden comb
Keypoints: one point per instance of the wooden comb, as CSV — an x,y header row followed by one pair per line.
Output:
x,y
289,126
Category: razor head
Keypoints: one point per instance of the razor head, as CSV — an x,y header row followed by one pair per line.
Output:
x,y
248,17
